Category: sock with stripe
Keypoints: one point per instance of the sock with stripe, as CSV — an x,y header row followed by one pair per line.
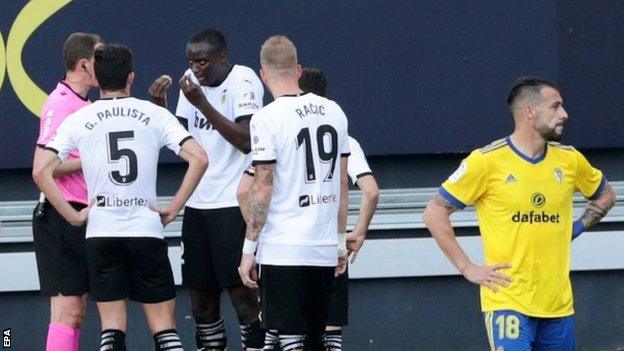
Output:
x,y
270,340
210,336
60,337
332,340
252,336
113,340
292,342
167,340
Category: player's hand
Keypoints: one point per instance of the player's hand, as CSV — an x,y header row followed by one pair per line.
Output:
x,y
341,267
488,276
158,90
248,271
192,91
355,240
167,213
80,217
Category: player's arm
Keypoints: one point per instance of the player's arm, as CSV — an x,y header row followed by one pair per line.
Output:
x,y
197,160
43,168
242,194
437,218
259,202
236,133
68,166
368,205
595,211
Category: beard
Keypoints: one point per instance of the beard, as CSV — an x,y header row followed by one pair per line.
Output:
x,y
551,134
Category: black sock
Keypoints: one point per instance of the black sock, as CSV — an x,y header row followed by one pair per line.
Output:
x,y
113,340
332,340
252,336
210,336
168,340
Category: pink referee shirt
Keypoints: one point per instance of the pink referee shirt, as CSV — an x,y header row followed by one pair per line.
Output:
x,y
62,102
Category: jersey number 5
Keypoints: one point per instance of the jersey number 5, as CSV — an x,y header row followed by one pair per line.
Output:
x,y
303,138
115,154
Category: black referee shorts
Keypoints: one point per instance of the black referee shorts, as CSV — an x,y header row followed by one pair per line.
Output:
x,y
212,243
134,268
295,299
60,250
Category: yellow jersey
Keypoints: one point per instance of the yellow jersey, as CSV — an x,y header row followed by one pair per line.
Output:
x,y
524,209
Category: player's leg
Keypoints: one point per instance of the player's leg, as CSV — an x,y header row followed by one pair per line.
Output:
x,y
199,276
226,243
62,266
283,300
319,285
510,330
556,334
271,340
338,313
109,277
151,283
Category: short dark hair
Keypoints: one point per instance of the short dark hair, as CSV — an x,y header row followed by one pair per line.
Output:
x,y
113,64
212,37
79,46
525,86
313,80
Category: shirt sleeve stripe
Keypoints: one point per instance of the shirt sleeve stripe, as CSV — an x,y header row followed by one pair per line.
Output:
x,y
41,146
601,187
51,149
450,198
242,118
249,173
363,174
263,162
184,140
346,154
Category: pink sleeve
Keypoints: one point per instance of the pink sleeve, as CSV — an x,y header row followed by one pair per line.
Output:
x,y
51,118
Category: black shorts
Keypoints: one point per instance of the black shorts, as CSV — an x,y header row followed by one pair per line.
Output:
x,y
339,302
60,250
295,299
212,241
134,268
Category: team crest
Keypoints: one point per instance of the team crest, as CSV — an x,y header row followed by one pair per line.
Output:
x,y
558,175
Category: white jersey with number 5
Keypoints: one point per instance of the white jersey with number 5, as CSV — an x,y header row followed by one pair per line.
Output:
x,y
119,141
304,136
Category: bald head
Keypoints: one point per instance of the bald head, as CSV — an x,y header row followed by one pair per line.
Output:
x,y
278,53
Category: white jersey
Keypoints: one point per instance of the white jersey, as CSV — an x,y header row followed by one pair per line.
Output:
x,y
239,95
305,136
357,166
119,141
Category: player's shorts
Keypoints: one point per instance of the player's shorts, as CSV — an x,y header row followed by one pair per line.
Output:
x,y
60,250
212,242
339,302
295,299
513,331
134,268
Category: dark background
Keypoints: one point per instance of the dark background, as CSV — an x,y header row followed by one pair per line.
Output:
x,y
414,77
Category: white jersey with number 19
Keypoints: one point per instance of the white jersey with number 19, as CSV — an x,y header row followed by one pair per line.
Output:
x,y
119,141
304,136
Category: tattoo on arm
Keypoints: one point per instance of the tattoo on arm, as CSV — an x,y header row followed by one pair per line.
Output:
x,y
260,200
441,201
598,208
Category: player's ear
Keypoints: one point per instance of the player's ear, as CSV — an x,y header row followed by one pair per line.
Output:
x,y
263,76
299,70
130,79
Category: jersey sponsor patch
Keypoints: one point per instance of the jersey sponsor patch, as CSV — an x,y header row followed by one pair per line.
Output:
x,y
459,172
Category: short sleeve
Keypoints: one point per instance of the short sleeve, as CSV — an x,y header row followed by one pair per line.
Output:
x,y
64,140
589,180
357,166
184,108
173,133
51,119
263,143
248,99
467,183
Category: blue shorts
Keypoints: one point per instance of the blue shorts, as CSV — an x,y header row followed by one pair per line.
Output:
x,y
513,331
